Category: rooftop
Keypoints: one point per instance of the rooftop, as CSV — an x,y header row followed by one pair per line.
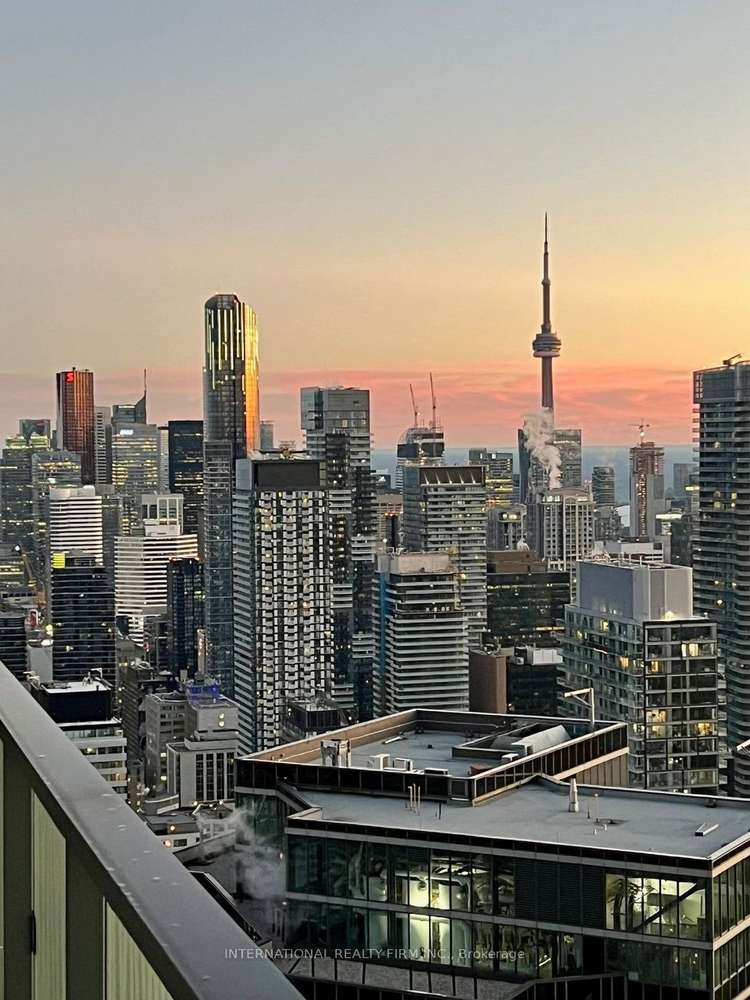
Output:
x,y
628,820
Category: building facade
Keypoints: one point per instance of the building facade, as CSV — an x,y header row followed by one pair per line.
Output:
x,y
445,510
82,616
75,418
185,443
562,523
603,486
231,427
185,616
421,635
525,600
646,488
632,636
282,593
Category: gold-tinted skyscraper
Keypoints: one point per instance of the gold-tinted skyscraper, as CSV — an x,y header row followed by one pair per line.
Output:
x,y
231,428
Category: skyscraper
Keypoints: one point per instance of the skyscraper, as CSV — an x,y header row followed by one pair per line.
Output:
x,y
421,640
135,466
498,469
603,485
82,614
646,488
186,469
75,418
185,603
48,469
562,527
231,427
336,425
283,636
266,435
16,496
631,635
103,445
567,440
546,343
75,522
445,510
721,540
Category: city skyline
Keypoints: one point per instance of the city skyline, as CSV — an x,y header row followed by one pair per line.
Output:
x,y
377,237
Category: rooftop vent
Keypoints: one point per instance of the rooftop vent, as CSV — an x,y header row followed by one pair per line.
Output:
x,y
705,828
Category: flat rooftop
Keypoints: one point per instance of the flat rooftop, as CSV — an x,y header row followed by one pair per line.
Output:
x,y
636,821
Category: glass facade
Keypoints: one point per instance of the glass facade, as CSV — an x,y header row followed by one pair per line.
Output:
x,y
186,469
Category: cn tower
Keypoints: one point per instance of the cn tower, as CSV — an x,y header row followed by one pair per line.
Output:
x,y
546,343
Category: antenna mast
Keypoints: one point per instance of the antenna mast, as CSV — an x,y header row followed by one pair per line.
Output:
x,y
433,425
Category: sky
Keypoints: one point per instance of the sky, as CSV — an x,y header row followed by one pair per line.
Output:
x,y
372,179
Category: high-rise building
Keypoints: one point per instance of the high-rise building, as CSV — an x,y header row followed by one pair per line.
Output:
x,y
185,615
646,488
546,343
75,522
48,469
135,466
186,469
567,440
336,425
164,459
525,600
445,510
75,418
681,475
82,615
562,527
506,527
419,445
266,435
13,640
498,474
164,723
603,485
39,427
283,635
231,427
141,563
16,494
632,636
721,549
103,445
421,638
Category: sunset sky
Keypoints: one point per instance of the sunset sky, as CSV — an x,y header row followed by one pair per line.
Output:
x,y
372,178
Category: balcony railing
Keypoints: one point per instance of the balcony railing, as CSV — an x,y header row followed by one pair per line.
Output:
x,y
91,904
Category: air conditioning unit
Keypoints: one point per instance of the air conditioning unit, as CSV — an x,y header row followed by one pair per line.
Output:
x,y
403,764
379,761
436,770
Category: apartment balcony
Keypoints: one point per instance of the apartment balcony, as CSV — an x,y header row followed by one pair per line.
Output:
x,y
92,907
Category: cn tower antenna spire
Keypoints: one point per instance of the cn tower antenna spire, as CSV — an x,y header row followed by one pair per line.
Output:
x,y
546,343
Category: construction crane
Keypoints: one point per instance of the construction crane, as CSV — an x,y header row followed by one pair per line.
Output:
x,y
414,407
433,425
728,362
642,428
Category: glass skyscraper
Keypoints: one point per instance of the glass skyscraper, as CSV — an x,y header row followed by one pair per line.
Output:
x,y
75,418
186,469
231,428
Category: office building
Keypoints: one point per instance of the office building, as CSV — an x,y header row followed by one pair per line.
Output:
x,y
382,854
631,635
421,633
16,489
562,526
35,427
388,513
75,522
641,552
164,723
498,474
103,445
607,524
568,443
185,443
524,680
82,615
336,426
525,600
141,563
603,486
266,435
185,616
200,766
646,488
83,711
48,469
506,527
135,466
13,640
283,631
721,551
135,679
75,418
231,427
445,510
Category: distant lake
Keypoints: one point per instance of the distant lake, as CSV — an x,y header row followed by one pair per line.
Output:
x,y
614,455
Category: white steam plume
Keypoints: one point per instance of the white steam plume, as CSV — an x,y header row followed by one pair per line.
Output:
x,y
538,432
